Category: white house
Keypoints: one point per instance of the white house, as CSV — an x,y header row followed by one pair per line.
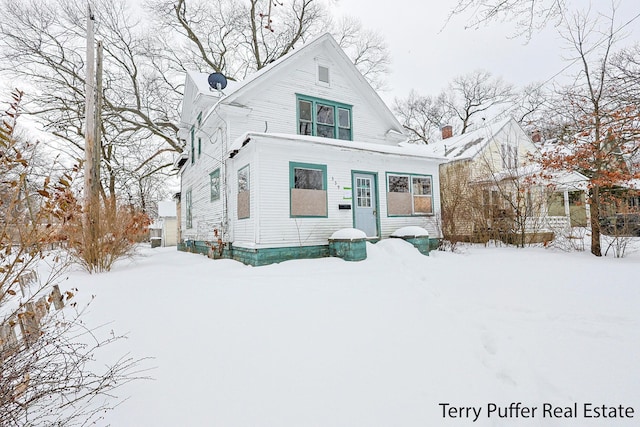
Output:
x,y
277,163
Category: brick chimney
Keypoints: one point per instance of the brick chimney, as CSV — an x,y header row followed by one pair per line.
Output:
x,y
447,131
536,136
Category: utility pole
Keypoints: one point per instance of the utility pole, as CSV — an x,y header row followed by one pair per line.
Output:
x,y
91,219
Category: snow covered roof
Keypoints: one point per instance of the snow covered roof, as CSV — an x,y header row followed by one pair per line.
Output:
x,y
201,81
468,145
402,150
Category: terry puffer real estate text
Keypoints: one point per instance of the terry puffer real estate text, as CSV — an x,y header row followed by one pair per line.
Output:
x,y
587,410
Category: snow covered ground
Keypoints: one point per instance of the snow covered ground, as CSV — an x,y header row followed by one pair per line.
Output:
x,y
382,342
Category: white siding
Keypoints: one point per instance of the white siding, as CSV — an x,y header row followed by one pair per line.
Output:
x,y
274,109
206,215
273,226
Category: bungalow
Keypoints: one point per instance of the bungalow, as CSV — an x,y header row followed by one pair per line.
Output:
x,y
277,163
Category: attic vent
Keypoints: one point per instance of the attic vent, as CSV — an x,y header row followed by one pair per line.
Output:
x,y
323,74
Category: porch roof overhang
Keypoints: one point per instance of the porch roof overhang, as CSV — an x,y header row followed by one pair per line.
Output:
x,y
407,151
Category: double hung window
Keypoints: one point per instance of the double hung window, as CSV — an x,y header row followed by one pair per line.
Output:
x,y
328,119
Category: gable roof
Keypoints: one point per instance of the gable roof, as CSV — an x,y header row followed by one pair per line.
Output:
x,y
470,144
235,90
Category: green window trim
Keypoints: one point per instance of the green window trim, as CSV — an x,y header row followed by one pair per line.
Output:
x,y
214,180
325,118
317,205
199,146
199,119
412,190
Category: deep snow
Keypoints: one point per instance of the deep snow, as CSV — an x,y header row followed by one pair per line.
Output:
x,y
381,342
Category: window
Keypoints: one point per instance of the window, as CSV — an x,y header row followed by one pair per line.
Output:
x,y
244,207
363,192
193,146
243,179
189,217
324,118
409,195
199,119
509,156
308,184
199,146
323,74
214,180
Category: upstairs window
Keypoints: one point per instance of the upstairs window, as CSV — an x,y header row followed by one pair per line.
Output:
x,y
323,74
328,119
509,154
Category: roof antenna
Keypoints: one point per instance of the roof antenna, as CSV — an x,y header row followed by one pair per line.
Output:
x,y
217,81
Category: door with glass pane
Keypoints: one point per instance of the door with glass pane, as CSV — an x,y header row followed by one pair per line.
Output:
x,y
365,203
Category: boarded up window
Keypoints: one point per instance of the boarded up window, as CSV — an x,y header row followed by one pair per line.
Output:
x,y
399,203
409,195
308,184
308,202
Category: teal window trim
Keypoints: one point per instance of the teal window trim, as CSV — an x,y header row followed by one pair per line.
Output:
x,y
199,119
292,184
193,147
199,146
214,180
336,106
410,176
189,208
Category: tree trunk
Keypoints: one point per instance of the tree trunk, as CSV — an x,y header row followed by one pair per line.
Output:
x,y
595,221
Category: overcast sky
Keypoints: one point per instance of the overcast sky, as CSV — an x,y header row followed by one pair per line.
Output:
x,y
425,56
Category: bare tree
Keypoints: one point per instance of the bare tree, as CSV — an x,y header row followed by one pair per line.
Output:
x,y
475,93
423,116
237,38
467,98
46,350
603,126
529,15
42,47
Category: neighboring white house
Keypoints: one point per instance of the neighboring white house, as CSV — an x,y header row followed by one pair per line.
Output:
x,y
277,163
165,226
491,183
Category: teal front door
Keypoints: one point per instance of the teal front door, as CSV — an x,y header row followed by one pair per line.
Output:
x,y
365,203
